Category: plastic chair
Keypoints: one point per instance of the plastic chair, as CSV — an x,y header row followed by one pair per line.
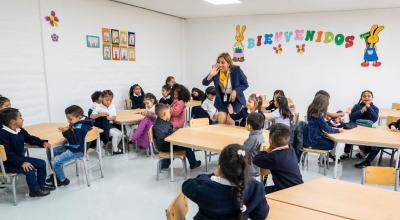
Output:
x,y
388,176
178,209
9,178
128,104
323,156
396,106
388,151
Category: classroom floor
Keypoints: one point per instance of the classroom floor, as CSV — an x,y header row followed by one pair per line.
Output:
x,y
129,190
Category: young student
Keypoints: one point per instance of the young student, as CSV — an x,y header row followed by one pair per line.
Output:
x,y
281,160
255,124
104,115
4,102
197,94
96,100
162,129
368,112
13,137
136,94
75,133
282,113
329,114
228,193
208,103
170,81
141,133
253,104
181,96
166,96
271,107
313,133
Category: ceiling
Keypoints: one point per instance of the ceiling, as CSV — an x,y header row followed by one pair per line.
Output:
x,y
200,8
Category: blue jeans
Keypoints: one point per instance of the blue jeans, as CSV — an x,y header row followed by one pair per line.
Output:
x,y
62,156
36,177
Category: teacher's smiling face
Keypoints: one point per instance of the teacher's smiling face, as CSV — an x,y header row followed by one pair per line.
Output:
x,y
223,64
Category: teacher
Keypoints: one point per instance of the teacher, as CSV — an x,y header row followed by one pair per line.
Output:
x,y
230,82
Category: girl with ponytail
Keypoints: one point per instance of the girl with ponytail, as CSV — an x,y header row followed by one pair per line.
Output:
x,y
229,193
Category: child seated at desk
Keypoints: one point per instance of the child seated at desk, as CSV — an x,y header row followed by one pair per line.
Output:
x,y
255,124
96,100
4,102
13,137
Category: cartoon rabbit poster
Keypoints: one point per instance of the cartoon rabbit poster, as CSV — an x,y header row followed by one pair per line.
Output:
x,y
370,52
238,47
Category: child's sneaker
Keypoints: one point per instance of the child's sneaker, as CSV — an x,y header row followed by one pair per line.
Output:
x,y
363,164
63,183
360,155
197,164
40,193
345,156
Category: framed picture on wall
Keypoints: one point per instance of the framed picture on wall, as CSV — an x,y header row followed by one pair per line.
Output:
x,y
106,52
92,41
131,54
106,34
115,52
123,38
124,53
131,39
115,36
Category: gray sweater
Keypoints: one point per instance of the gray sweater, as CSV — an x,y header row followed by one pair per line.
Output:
x,y
252,147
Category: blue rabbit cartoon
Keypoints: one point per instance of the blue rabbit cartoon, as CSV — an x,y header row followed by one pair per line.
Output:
x,y
371,39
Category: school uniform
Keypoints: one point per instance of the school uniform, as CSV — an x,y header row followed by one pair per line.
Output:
x,y
13,142
108,129
282,162
208,106
313,136
216,198
73,149
177,110
200,97
166,100
252,146
271,107
137,101
242,116
277,117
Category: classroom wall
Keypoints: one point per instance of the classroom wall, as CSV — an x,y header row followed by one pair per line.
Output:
x,y
322,66
74,71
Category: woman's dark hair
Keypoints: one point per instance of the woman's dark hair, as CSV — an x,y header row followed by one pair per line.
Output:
x,y
133,88
169,78
318,107
107,93
151,96
8,114
323,92
74,110
95,96
363,92
276,93
182,91
211,90
234,167
3,100
283,106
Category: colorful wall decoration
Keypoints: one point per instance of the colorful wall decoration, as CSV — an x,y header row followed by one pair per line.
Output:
x,y
53,21
238,47
371,39
92,41
118,45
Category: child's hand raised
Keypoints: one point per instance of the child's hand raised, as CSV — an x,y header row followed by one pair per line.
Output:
x,y
230,109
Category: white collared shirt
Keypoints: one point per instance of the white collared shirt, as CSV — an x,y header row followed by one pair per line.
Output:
x,y
11,130
209,107
111,110
221,180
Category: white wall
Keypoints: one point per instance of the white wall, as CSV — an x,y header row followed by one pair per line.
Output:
x,y
328,67
74,71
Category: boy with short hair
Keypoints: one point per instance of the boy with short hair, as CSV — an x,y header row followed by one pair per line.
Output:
x,y
208,103
13,137
280,160
96,99
255,124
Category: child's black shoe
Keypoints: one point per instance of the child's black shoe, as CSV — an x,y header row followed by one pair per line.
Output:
x,y
363,164
197,164
63,183
48,187
40,193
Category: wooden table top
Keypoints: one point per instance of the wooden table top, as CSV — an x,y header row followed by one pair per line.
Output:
x,y
211,138
129,116
380,136
340,198
386,112
279,210
48,131
193,103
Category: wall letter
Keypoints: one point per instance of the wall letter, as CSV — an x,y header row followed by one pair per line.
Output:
x,y
329,36
250,43
310,35
268,38
319,36
349,41
259,38
288,35
339,39
278,37
299,34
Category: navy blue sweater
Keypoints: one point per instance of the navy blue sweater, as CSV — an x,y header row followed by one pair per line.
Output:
x,y
371,114
312,133
283,166
14,146
162,129
218,201
168,100
137,101
76,135
242,114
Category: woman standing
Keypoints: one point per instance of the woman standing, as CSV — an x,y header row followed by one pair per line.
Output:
x,y
230,82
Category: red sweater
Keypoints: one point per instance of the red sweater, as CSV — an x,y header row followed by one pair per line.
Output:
x,y
177,110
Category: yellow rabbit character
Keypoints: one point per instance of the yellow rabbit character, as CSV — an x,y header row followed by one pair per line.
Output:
x,y
238,47
371,39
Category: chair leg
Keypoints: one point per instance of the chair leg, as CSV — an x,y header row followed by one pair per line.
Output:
x,y
392,156
302,159
158,168
380,157
205,160
76,169
100,165
326,161
307,161
185,167
14,190
209,157
86,171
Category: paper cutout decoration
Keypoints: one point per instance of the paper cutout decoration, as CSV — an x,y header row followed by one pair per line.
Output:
x,y
92,41
278,49
300,48
124,53
131,39
238,47
52,19
115,36
106,52
371,39
106,34
115,52
54,37
123,38
131,54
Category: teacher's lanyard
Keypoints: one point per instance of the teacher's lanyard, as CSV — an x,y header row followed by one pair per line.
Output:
x,y
226,87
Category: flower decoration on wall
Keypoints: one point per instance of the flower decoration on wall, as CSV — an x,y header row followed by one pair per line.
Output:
x,y
300,48
52,19
278,49
54,37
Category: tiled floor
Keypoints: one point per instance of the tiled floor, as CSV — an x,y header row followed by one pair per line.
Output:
x,y
128,191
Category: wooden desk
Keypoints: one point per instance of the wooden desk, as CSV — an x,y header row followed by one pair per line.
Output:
x,y
48,131
126,117
386,112
212,138
375,137
279,210
343,199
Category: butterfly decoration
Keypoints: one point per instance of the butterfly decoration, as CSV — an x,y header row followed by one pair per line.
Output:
x,y
54,37
278,49
52,19
300,48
